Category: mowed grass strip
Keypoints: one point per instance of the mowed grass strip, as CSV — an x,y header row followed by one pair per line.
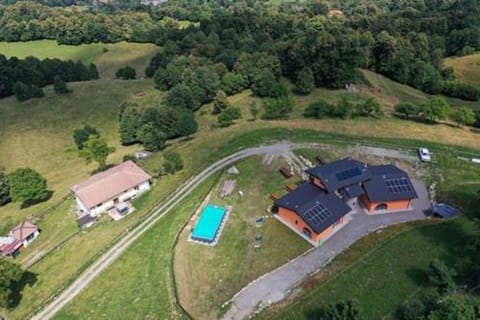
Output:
x,y
139,285
209,276
386,276
108,57
466,68
42,49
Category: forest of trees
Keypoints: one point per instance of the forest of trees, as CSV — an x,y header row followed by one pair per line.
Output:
x,y
404,40
28,75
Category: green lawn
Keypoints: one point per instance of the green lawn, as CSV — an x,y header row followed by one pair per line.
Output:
x,y
37,134
384,276
46,137
139,285
43,49
108,57
216,274
389,92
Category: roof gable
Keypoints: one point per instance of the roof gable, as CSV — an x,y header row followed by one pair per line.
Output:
x,y
105,185
23,230
341,173
389,183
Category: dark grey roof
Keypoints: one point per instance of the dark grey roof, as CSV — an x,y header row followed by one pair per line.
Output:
x,y
319,209
341,173
86,219
445,211
389,183
353,191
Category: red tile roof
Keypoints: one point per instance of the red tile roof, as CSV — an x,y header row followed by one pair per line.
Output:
x,y
110,183
9,246
23,230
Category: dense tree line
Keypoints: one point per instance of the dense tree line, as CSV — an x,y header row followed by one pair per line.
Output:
x,y
28,20
26,76
344,109
152,126
404,40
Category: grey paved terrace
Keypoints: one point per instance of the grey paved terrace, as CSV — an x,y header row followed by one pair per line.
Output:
x,y
275,285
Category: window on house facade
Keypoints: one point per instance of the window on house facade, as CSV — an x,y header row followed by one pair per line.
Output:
x,y
136,188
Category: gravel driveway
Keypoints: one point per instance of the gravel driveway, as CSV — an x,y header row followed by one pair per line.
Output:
x,y
275,285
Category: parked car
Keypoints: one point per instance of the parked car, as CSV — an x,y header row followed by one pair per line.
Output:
x,y
424,154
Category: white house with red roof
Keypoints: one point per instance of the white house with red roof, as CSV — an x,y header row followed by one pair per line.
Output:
x,y
25,232
107,189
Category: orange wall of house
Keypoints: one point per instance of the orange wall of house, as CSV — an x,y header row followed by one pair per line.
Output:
x,y
290,216
391,205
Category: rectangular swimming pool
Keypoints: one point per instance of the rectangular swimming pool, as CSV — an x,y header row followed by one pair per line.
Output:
x,y
209,223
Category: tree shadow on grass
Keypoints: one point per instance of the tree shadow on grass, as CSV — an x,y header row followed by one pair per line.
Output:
x,y
30,203
28,279
101,169
314,314
419,276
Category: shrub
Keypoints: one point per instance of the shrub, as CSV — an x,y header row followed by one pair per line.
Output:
x,y
277,108
25,92
319,109
460,90
126,73
406,109
173,162
228,116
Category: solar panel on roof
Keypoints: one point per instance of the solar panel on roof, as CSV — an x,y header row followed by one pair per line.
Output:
x,y
317,214
347,174
398,185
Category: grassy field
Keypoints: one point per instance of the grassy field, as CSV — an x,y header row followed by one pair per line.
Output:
x,y
383,277
139,285
216,274
466,68
80,250
47,137
108,57
43,49
37,133
389,93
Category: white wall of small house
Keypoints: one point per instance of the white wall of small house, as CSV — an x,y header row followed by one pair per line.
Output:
x,y
27,242
124,196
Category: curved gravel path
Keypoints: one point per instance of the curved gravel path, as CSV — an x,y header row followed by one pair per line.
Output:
x,y
178,195
275,285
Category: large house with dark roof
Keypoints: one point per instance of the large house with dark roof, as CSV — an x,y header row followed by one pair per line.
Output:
x,y
318,207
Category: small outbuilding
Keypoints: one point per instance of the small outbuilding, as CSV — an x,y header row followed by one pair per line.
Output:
x,y
445,211
86,221
9,247
25,232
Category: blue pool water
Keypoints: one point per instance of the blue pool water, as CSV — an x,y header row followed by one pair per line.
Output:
x,y
208,224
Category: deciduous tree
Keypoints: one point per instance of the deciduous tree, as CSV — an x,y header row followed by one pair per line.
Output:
x,y
60,86
440,275
305,81
96,149
464,116
81,135
187,125
9,273
4,187
27,185
220,102
126,73
151,137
